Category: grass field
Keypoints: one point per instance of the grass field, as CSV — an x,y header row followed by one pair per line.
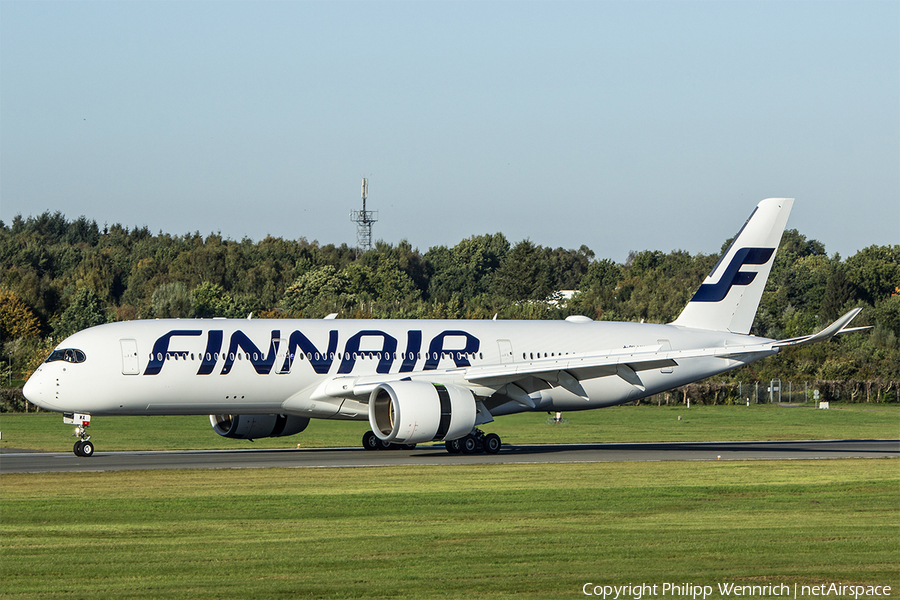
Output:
x,y
46,431
499,531
488,531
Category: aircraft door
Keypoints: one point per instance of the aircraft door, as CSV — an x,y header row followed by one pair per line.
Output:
x,y
130,364
506,351
282,365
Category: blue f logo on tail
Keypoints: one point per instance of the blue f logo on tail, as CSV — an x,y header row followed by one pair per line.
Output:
x,y
716,292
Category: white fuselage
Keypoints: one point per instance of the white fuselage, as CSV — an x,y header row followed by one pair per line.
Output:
x,y
310,367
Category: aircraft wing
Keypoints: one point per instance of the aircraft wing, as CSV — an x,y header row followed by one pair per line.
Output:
x,y
651,357
627,363
567,371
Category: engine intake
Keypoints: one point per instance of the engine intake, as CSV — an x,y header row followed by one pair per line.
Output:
x,y
250,427
411,412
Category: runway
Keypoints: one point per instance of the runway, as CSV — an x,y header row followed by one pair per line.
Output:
x,y
46,462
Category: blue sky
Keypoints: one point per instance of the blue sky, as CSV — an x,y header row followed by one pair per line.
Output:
x,y
619,125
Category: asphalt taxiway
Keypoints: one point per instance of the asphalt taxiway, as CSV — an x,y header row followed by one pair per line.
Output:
x,y
44,462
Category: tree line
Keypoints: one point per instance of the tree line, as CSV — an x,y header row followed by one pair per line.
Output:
x,y
59,276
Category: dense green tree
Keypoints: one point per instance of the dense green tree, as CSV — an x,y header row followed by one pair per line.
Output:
x,y
597,291
16,319
796,245
314,290
209,300
838,291
85,310
75,274
41,293
887,314
51,227
524,274
146,275
568,267
467,268
381,281
201,263
875,271
170,301
82,231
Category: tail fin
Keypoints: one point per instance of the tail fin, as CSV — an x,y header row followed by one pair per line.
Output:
x,y
728,298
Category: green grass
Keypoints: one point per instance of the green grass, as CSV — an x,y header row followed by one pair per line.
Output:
x,y
498,531
46,431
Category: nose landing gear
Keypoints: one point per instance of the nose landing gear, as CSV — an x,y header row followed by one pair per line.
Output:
x,y
83,447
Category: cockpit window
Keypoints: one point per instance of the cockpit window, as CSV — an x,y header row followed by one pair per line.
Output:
x,y
67,354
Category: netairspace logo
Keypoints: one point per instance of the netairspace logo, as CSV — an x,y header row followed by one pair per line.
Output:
x,y
725,590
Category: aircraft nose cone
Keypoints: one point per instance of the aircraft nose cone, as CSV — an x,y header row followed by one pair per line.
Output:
x,y
37,391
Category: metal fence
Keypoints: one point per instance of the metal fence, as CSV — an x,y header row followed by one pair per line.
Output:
x,y
781,391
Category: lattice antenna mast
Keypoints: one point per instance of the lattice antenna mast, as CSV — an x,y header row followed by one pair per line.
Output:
x,y
364,219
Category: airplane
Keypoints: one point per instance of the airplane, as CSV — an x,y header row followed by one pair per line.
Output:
x,y
415,381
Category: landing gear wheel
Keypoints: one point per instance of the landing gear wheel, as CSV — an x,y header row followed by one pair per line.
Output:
x,y
469,444
370,441
383,445
475,443
407,446
82,447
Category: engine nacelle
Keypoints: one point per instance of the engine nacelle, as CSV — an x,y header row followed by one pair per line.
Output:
x,y
411,412
251,427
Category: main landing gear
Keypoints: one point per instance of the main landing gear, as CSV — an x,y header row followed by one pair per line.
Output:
x,y
370,441
474,443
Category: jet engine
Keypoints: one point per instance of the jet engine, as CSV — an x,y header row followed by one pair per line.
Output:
x,y
410,412
250,427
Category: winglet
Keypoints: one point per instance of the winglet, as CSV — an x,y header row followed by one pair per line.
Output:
x,y
826,334
728,298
